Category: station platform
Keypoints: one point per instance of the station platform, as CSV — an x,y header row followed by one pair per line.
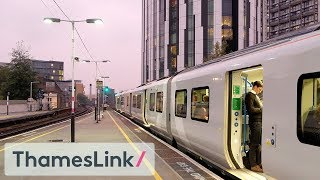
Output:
x,y
21,114
113,128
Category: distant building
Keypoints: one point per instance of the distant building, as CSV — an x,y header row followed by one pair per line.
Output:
x,y
283,16
52,70
66,87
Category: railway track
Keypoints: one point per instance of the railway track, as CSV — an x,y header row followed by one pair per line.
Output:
x,y
20,125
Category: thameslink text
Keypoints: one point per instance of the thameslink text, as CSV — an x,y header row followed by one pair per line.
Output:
x,y
76,161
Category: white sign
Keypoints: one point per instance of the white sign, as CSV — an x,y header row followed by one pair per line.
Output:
x,y
79,159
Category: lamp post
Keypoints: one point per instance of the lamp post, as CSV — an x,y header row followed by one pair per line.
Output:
x,y
57,20
96,62
103,95
31,93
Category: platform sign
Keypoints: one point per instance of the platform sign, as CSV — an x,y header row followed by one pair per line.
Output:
x,y
99,84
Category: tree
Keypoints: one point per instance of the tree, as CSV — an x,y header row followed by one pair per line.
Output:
x,y
20,74
82,99
4,77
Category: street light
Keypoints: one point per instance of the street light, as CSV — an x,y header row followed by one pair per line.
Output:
x,y
96,62
57,20
31,93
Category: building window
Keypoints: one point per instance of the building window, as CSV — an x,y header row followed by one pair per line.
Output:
x,y
159,104
181,103
152,101
53,71
139,101
189,60
207,21
308,126
122,100
174,36
134,102
51,65
200,104
51,77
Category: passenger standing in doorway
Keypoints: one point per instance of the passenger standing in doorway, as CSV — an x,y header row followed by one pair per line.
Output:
x,y
254,108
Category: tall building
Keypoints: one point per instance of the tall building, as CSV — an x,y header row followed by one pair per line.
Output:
x,y
177,34
288,15
48,69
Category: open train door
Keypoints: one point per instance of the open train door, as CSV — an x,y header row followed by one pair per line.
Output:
x,y
240,83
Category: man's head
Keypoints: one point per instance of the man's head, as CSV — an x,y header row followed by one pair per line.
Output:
x,y
257,87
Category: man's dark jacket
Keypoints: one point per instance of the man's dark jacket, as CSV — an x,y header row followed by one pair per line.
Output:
x,y
253,107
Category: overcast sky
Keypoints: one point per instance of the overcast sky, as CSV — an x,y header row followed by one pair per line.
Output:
x,y
118,40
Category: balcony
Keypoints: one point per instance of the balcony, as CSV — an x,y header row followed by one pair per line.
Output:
x,y
308,13
295,16
295,2
284,19
274,22
274,8
284,5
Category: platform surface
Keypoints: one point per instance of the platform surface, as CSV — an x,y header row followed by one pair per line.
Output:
x,y
113,127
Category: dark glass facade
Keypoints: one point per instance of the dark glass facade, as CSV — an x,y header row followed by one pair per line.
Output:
x,y
162,15
189,34
173,47
207,12
230,24
154,45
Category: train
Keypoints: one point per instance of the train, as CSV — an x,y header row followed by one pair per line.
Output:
x,y
200,109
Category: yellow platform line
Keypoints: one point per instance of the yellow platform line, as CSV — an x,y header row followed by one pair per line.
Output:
x,y
145,161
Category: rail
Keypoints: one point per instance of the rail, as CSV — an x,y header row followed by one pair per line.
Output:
x,y
19,125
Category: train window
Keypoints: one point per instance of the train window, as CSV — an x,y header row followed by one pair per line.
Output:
x,y
134,102
308,126
159,104
152,101
139,101
122,100
181,103
200,104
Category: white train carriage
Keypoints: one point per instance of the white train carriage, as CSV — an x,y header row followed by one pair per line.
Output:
x,y
287,69
138,105
156,113
208,117
118,102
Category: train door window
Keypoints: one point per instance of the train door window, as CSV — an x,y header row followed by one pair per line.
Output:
x,y
139,101
181,103
134,102
308,126
159,104
127,100
122,100
152,101
200,104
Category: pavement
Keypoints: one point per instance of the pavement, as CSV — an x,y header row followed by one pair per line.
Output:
x,y
113,128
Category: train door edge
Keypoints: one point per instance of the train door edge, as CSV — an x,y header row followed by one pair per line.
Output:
x,y
240,83
130,105
145,102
